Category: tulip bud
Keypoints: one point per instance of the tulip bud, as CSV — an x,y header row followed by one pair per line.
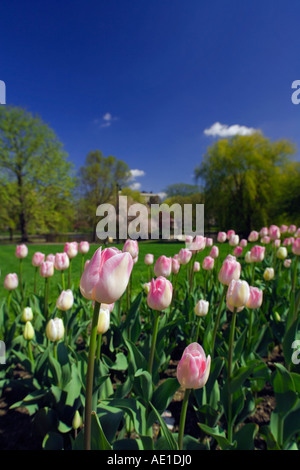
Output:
x,y
28,331
248,258
208,263
146,287
184,256
132,247
276,243
193,368
264,232
160,294
282,252
84,247
62,261
283,228
46,269
197,244
222,236
11,281
55,330
257,253
274,232
65,300
201,308
296,247
149,259
175,266
106,276
214,252
77,420
237,294
231,269
230,233
71,249
265,240
253,236
37,259
255,298
243,243
287,263
163,266
292,228
50,257
27,314
103,320
196,267
269,274
238,251
21,251
234,240
209,242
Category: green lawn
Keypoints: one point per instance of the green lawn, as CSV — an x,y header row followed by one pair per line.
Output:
x,y
10,264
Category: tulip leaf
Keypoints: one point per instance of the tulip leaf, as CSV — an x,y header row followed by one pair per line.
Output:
x,y
126,444
289,337
218,435
240,376
284,389
98,438
245,436
53,441
171,443
110,418
162,397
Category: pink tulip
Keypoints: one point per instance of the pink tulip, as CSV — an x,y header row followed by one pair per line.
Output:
x,y
196,267
188,239
238,251
222,237
163,266
37,259
255,298
265,240
132,247
276,243
243,243
149,259
208,263
160,294
274,232
21,251
175,266
257,253
238,294
198,244
230,233
46,269
201,308
253,236
264,232
71,249
184,256
65,300
297,233
296,247
214,252
209,242
231,269
292,229
283,228
193,368
51,258
84,247
62,261
234,240
287,263
106,276
11,281
86,263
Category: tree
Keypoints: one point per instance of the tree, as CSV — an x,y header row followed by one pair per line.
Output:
x,y
99,182
34,164
241,176
181,189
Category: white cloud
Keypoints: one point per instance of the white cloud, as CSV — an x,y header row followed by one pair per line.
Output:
x,y
135,186
106,120
136,173
223,130
107,117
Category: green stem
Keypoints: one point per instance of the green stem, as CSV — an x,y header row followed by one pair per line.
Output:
x,y
217,322
69,277
82,263
250,329
30,351
153,344
90,378
197,332
55,350
46,295
99,342
35,279
21,278
183,417
229,373
63,280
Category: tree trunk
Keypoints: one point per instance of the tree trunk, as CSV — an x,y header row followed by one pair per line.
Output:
x,y
22,217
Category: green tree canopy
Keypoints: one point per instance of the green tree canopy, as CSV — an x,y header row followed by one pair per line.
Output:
x,y
181,189
35,173
99,181
242,178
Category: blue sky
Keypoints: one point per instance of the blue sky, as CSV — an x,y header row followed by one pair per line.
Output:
x,y
143,80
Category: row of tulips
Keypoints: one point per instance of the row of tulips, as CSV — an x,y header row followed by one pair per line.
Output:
x,y
226,321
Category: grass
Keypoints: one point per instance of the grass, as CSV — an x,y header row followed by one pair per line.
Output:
x,y
10,264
